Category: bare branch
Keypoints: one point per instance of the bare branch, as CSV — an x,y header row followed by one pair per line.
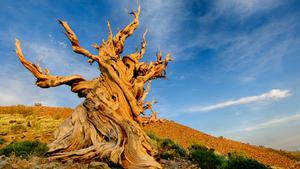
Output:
x,y
143,45
139,54
31,67
75,43
145,92
123,34
157,69
44,80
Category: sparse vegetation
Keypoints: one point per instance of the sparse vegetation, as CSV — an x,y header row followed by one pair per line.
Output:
x,y
237,162
294,155
18,109
153,136
3,131
24,149
27,111
169,146
18,128
1,140
168,149
38,104
39,125
206,157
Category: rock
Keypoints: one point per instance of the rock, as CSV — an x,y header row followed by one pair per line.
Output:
x,y
69,162
22,136
98,165
12,121
35,162
4,161
179,163
83,166
28,124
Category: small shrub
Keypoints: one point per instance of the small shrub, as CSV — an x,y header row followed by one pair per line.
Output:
x,y
167,146
24,149
1,140
198,147
20,109
4,131
236,162
38,104
179,150
17,128
153,136
166,155
206,158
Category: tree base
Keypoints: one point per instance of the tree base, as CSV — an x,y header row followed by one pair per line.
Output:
x,y
89,135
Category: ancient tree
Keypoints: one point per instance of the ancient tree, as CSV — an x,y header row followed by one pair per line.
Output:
x,y
107,125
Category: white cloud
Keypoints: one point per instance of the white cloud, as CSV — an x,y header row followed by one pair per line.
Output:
x,y
17,83
269,123
54,41
163,19
58,59
273,122
269,96
244,8
17,90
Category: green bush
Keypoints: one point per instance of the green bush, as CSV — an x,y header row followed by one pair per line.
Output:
x,y
153,136
166,155
198,147
170,149
1,140
206,158
167,148
236,162
24,149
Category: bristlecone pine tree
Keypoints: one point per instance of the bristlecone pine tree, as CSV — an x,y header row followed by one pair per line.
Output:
x,y
107,125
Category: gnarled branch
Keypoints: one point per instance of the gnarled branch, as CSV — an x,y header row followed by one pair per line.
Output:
x,y
75,43
44,79
123,34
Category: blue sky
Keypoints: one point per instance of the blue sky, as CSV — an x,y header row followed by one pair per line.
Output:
x,y
237,67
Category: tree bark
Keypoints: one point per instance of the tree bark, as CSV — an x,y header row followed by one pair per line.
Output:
x,y
107,125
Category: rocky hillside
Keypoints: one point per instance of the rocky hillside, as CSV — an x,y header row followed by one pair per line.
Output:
x,y
38,122
186,136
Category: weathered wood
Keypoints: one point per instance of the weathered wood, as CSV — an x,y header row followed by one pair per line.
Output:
x,y
107,125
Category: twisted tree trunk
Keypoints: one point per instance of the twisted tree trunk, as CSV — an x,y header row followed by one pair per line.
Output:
x,y
107,125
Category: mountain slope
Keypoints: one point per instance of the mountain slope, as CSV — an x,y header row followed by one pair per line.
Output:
x,y
39,122
186,136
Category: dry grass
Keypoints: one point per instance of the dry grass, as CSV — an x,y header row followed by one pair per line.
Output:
x,y
53,112
295,155
30,122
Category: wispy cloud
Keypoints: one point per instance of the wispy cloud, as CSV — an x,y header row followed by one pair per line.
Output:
x,y
245,8
55,41
269,96
163,19
269,123
17,84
